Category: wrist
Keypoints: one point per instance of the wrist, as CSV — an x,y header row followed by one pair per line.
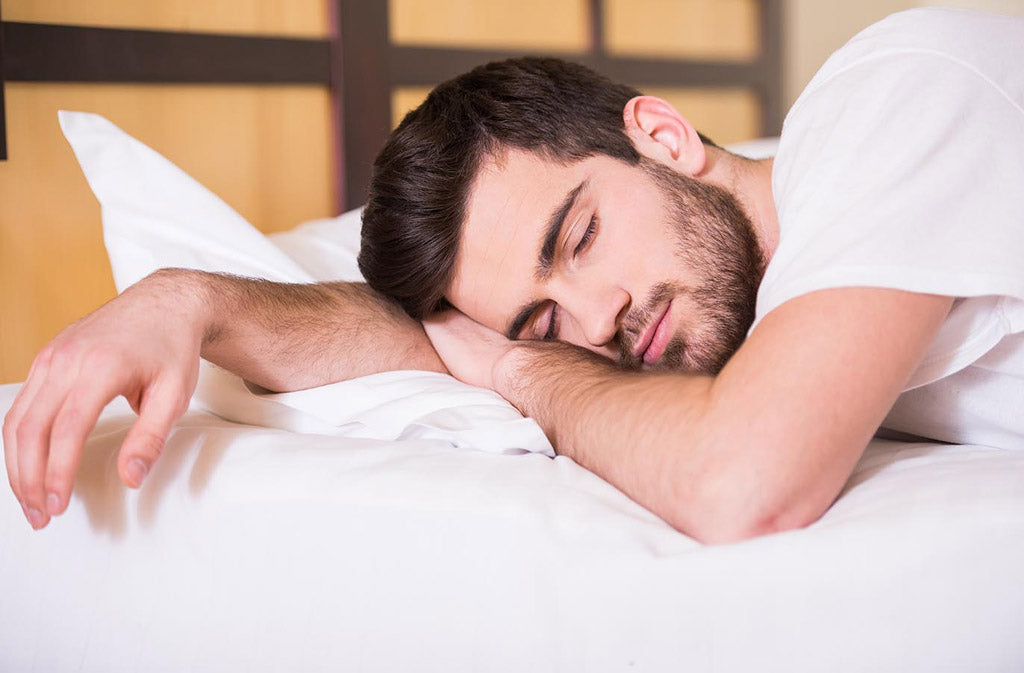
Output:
x,y
505,370
515,373
187,296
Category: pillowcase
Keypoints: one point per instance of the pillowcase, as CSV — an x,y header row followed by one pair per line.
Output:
x,y
327,248
758,148
155,216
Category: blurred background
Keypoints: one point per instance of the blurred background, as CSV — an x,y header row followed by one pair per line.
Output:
x,y
267,150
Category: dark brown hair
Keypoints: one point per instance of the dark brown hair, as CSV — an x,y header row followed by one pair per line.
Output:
x,y
421,179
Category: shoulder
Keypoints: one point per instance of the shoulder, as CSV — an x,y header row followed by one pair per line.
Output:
x,y
977,40
902,155
905,83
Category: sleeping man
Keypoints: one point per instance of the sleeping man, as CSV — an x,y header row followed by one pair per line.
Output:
x,y
717,337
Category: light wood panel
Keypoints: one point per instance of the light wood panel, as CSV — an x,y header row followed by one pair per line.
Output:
x,y
294,18
550,25
405,99
699,29
264,150
725,115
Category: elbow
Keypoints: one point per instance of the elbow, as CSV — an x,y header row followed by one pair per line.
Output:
x,y
722,516
725,530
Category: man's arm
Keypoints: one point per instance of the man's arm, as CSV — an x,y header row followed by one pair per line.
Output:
x,y
766,445
294,336
146,344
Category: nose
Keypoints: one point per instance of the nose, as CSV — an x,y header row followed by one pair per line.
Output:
x,y
597,313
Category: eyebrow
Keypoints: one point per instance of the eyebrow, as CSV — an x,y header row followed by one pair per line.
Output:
x,y
546,257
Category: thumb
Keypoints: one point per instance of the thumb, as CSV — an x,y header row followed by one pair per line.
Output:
x,y
160,409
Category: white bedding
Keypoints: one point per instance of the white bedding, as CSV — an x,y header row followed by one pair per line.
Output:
x,y
265,550
406,522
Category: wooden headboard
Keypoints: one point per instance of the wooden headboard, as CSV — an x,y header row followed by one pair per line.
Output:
x,y
357,62
371,67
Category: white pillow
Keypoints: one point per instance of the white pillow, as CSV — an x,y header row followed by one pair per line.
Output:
x,y
328,248
758,148
155,216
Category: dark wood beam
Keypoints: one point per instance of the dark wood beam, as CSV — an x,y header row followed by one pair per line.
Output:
x,y
426,66
339,181
37,52
365,90
770,87
3,113
596,27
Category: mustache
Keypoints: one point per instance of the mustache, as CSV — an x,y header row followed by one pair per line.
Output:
x,y
637,320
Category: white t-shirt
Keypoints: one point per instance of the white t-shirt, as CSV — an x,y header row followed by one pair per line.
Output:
x,y
902,166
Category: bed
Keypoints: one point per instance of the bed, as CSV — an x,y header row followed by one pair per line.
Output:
x,y
405,521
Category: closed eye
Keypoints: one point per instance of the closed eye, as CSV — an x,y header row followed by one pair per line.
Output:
x,y
588,236
552,330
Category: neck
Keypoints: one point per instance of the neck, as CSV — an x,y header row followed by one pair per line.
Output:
x,y
750,181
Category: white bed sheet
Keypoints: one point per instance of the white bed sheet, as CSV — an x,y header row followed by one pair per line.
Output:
x,y
265,550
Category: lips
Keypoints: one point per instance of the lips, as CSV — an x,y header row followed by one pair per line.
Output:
x,y
655,338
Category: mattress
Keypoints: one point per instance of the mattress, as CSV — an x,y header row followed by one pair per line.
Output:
x,y
251,548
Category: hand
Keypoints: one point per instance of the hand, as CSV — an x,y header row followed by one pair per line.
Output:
x,y
470,351
143,345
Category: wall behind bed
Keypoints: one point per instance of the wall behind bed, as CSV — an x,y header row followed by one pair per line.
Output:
x,y
692,30
265,149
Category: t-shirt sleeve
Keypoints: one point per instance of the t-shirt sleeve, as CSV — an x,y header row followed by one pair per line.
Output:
x,y
902,170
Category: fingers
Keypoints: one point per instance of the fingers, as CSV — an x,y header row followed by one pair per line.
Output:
x,y
47,426
139,345
52,431
46,430
34,380
10,455
71,427
161,406
31,433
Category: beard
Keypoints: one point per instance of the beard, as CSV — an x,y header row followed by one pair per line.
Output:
x,y
714,239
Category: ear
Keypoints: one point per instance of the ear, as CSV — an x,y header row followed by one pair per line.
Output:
x,y
660,133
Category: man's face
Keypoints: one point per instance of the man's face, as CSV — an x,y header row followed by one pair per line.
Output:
x,y
637,263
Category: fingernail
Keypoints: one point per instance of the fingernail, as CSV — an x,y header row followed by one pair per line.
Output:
x,y
53,504
35,517
137,470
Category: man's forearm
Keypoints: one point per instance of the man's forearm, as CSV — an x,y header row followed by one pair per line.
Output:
x,y
705,454
639,431
766,445
294,336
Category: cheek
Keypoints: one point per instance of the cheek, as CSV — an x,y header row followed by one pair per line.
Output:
x,y
638,257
